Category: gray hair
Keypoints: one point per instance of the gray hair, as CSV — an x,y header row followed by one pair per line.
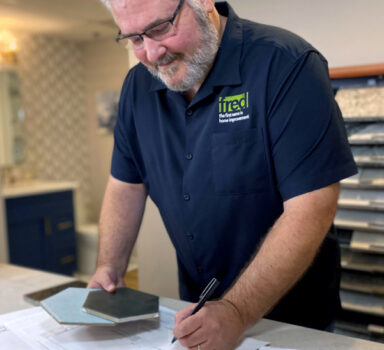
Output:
x,y
193,3
107,4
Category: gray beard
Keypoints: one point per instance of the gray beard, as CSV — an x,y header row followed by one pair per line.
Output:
x,y
198,65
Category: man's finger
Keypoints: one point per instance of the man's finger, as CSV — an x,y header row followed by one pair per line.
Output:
x,y
187,326
183,313
102,281
94,284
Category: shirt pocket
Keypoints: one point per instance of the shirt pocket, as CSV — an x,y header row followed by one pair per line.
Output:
x,y
238,162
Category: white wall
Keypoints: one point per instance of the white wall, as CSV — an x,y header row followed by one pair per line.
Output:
x,y
106,66
156,256
347,32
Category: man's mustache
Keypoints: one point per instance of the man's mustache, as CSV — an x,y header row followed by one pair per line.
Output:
x,y
168,58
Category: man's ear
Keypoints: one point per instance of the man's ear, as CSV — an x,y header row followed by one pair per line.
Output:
x,y
209,5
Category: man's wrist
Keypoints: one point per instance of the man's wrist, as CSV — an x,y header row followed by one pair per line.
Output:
x,y
113,270
247,314
236,310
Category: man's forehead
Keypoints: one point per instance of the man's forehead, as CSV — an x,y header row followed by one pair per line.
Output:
x,y
138,6
134,14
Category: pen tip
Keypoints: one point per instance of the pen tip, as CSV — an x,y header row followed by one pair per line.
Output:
x,y
173,340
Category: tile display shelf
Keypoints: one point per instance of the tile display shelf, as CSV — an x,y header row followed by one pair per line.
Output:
x,y
359,220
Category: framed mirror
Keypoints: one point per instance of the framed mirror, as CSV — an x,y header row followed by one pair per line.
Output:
x,y
11,119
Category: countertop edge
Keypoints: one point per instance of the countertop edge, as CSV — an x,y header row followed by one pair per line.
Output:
x,y
36,188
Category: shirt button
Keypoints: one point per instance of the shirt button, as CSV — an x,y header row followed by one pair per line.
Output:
x,y
187,197
200,269
189,112
189,156
191,236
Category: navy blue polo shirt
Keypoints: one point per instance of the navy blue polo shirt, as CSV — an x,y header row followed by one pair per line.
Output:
x,y
264,127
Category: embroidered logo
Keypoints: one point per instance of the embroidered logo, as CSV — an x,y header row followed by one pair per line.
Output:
x,y
233,108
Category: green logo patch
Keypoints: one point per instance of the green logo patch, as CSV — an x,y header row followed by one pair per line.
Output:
x,y
235,103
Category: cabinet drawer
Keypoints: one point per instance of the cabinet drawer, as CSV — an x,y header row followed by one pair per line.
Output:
x,y
24,208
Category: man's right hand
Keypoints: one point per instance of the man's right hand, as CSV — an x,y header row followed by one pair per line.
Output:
x,y
106,278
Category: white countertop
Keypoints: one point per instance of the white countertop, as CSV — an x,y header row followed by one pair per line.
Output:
x,y
17,281
21,189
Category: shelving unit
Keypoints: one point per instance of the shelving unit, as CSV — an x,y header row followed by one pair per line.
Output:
x,y
359,220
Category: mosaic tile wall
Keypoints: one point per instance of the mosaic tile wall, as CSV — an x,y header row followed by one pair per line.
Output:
x,y
51,75
364,102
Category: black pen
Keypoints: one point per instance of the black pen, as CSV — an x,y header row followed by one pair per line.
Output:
x,y
207,292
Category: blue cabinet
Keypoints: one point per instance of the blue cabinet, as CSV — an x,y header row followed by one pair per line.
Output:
x,y
41,231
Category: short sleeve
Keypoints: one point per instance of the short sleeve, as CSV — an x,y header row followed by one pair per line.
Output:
x,y
309,145
125,148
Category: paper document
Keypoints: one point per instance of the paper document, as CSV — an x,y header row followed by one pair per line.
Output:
x,y
35,329
273,348
251,344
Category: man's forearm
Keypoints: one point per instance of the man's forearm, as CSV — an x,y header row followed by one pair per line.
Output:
x,y
120,220
286,253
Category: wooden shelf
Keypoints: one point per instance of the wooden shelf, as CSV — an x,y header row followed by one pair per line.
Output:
x,y
356,71
361,119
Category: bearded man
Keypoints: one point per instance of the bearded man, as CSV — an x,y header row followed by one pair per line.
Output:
x,y
232,129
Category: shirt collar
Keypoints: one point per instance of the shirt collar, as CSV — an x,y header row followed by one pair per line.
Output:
x,y
226,69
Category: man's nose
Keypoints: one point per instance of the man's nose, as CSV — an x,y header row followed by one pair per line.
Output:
x,y
154,49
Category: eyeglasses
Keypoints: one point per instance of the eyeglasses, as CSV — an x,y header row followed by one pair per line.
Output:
x,y
158,32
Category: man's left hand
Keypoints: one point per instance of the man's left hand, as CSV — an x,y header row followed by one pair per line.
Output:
x,y
217,326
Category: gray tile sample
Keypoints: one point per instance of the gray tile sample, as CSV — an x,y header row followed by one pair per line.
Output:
x,y
123,305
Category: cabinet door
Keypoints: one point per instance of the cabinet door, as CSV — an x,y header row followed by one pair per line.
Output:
x,y
41,232
26,243
61,242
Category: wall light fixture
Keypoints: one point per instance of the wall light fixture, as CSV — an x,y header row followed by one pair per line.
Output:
x,y
8,47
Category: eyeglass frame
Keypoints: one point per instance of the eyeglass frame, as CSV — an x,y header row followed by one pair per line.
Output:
x,y
121,36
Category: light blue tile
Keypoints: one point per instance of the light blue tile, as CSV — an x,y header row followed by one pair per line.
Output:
x,y
66,308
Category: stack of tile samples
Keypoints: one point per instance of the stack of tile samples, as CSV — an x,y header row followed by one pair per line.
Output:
x,y
359,221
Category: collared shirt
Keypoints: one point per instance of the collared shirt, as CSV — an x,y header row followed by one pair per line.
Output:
x,y
263,128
